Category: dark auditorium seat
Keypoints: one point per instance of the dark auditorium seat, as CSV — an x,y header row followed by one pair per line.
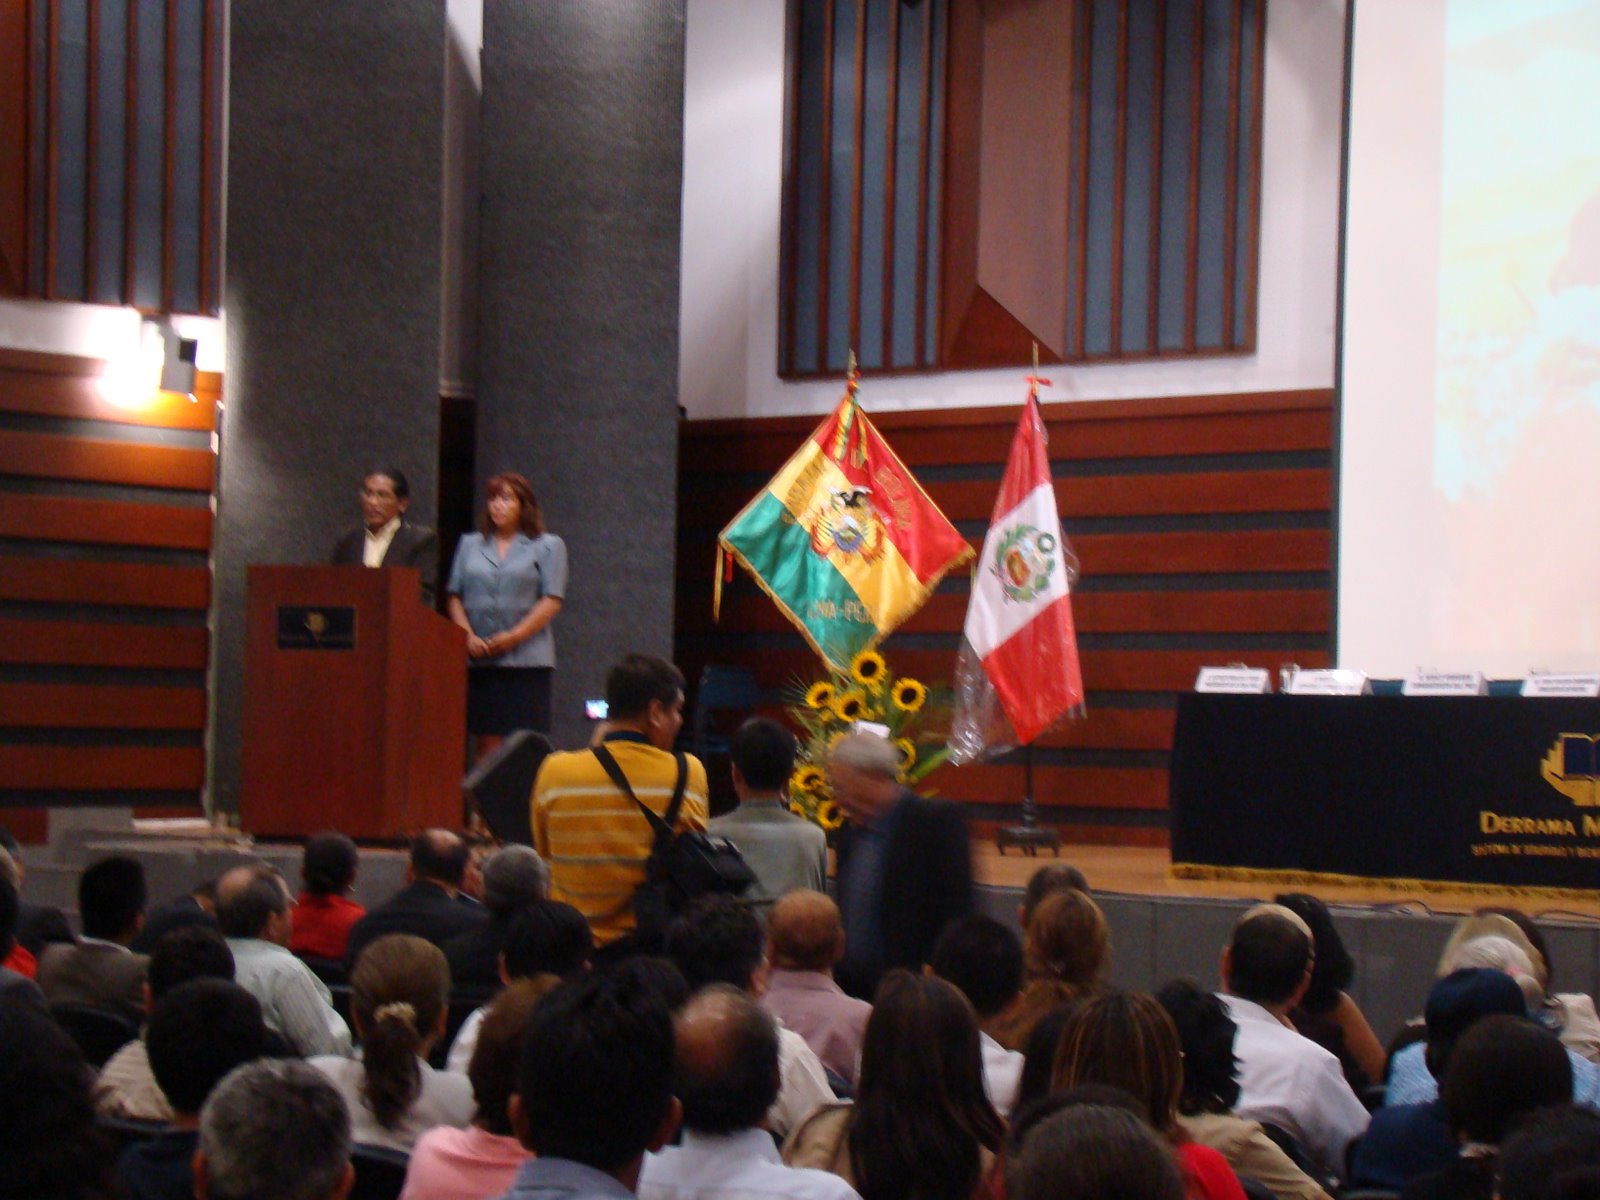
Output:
x,y
380,1172
123,1132
99,1033
330,970
463,1003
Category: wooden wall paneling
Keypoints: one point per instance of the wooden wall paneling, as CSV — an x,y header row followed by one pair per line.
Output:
x,y
1252,275
791,185
101,768
825,187
890,160
49,394
1230,229
130,159
210,140
80,706
28,517
857,173
1119,183
40,579
52,124
1158,100
55,456
1082,59
91,148
1191,278
15,85
924,164
169,151
83,644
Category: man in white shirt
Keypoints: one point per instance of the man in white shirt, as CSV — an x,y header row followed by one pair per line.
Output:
x,y
253,910
1284,1079
385,538
727,1079
983,958
719,940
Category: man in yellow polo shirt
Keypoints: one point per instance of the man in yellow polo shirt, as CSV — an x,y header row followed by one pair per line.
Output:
x,y
593,836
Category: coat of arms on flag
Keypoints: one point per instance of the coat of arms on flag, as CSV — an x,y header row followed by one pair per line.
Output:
x,y
1018,670
843,539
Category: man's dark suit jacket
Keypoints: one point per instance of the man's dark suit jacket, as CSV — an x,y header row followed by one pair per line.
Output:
x,y
179,913
927,880
413,546
424,910
474,956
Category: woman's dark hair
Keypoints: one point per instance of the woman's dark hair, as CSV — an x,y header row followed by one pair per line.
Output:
x,y
9,909
1039,1055
1553,1155
921,1114
493,1069
1205,1033
1125,1040
547,937
399,992
1503,1068
329,865
50,1147
531,517
1332,968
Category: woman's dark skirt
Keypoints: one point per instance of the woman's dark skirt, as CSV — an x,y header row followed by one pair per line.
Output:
x,y
502,700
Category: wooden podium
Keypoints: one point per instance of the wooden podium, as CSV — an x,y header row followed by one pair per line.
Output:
x,y
354,705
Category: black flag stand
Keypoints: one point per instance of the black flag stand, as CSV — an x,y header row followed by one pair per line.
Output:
x,y
1030,835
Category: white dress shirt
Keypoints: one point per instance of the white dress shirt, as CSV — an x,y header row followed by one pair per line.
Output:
x,y
294,1002
804,1087
735,1166
460,1056
376,545
445,1099
1002,1074
1289,1081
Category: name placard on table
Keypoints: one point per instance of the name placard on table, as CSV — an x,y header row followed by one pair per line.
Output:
x,y
1445,683
1241,681
1562,684
1328,681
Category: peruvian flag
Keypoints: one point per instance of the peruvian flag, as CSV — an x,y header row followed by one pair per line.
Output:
x,y
1019,655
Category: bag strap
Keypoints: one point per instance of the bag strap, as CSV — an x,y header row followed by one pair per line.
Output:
x,y
661,826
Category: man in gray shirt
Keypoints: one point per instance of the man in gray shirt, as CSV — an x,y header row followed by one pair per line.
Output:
x,y
784,851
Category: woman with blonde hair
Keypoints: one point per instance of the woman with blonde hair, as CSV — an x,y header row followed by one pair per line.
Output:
x,y
1066,950
399,1005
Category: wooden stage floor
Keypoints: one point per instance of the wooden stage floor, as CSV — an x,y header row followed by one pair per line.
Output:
x,y
1141,871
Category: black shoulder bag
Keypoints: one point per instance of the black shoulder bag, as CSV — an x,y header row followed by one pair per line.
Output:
x,y
681,866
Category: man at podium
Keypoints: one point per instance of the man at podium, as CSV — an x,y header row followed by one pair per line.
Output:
x,y
385,538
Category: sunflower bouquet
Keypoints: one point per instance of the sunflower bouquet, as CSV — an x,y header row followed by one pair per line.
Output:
x,y
828,709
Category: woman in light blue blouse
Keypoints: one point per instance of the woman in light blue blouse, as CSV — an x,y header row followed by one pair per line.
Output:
x,y
505,588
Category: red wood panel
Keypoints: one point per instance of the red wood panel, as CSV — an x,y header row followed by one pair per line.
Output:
x,y
30,826
14,92
74,706
78,643
36,384
51,456
103,522
1104,728
747,611
1062,788
70,581
119,768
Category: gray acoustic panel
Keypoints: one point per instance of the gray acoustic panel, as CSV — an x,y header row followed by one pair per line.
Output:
x,y
1189,938
1132,921
332,292
581,164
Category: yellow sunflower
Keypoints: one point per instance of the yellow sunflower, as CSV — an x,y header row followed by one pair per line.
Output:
x,y
868,668
797,808
807,779
820,695
850,707
829,816
908,752
909,695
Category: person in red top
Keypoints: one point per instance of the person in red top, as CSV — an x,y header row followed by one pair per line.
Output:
x,y
1126,1040
323,914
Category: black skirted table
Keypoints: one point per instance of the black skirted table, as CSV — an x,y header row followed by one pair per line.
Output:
x,y
1473,789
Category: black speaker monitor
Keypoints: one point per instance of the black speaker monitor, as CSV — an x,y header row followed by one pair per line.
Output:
x,y
501,786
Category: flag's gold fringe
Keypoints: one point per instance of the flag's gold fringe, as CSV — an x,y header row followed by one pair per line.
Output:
x,y
1261,875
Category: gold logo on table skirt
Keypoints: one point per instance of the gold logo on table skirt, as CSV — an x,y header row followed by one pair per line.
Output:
x,y
1572,767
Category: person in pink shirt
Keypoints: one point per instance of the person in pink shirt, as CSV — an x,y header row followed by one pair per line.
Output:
x,y
481,1160
804,940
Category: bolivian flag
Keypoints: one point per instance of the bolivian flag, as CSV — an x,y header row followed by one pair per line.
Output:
x,y
843,539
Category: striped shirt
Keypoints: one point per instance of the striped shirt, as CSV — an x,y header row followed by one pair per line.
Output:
x,y
594,838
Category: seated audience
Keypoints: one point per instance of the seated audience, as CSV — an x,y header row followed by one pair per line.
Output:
x,y
1411,1081
983,959
18,959
922,1125
1570,1014
482,1159
100,971
1039,1057
253,910
199,1031
1408,1140
399,1003
431,905
546,939
1210,1090
1285,1079
127,1086
513,878
274,1130
1046,881
718,940
15,987
805,941
727,1079
195,907
594,1086
1126,1040
324,914
785,851
1091,1152
37,924
49,1144
1066,952
1553,1155
1326,1014
1503,1068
